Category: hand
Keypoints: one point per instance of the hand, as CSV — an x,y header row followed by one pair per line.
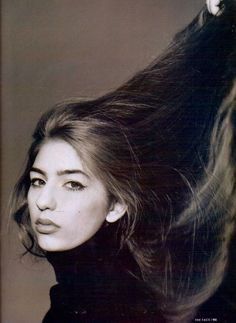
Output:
x,y
215,7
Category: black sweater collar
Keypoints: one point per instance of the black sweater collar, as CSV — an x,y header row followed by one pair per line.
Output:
x,y
100,255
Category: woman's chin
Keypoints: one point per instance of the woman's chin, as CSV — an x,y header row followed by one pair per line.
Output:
x,y
51,244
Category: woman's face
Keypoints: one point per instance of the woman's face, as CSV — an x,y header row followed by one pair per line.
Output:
x,y
67,204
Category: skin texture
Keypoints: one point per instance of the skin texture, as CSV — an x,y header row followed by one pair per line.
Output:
x,y
65,209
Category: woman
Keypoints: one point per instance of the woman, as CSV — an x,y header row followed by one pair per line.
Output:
x,y
116,194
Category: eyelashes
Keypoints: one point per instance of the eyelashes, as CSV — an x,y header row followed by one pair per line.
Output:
x,y
37,182
74,186
70,185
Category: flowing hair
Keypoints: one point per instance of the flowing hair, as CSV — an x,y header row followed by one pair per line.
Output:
x,y
161,144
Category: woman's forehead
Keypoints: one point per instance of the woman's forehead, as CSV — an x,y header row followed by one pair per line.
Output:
x,y
56,153
58,156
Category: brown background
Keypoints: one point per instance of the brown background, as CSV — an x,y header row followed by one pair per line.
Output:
x,y
52,50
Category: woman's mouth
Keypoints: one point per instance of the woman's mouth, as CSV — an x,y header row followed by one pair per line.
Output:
x,y
46,226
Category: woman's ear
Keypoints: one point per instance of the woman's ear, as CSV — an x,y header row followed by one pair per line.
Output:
x,y
116,212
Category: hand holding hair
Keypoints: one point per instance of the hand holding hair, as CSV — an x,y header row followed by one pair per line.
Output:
x,y
215,7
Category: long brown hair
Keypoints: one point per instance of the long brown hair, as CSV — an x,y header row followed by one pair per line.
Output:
x,y
156,143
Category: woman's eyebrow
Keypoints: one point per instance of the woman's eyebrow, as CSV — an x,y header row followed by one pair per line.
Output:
x,y
61,172
38,170
72,171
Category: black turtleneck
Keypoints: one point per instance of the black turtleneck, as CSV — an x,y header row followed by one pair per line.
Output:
x,y
98,282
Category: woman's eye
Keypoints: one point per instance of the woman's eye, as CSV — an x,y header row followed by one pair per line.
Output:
x,y
74,186
37,182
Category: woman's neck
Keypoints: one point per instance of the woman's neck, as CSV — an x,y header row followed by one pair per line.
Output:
x,y
96,254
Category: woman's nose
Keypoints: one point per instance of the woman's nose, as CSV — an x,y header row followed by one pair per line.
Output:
x,y
46,199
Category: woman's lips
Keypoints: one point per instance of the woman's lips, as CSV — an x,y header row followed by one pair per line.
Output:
x,y
46,226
